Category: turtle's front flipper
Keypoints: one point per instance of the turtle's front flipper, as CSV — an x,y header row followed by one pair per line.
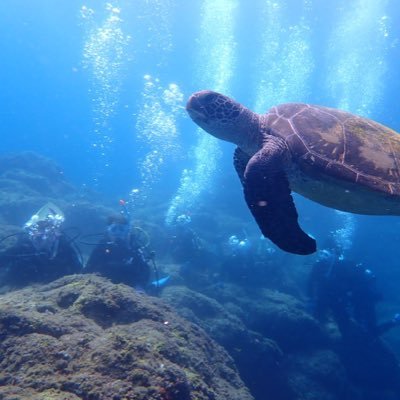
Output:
x,y
267,193
240,161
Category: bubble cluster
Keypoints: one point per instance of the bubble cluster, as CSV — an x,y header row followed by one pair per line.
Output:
x,y
214,69
156,129
285,62
193,182
104,56
343,237
154,25
216,45
357,46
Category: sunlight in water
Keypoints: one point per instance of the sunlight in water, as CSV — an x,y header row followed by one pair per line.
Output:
x,y
104,55
156,128
160,105
285,61
154,27
214,70
355,79
358,46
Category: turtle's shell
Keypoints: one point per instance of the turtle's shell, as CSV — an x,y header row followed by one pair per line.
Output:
x,y
339,144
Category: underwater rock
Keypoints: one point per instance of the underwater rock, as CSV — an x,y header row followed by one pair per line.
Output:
x,y
278,316
29,394
272,314
27,182
259,359
82,337
36,173
318,375
225,327
279,349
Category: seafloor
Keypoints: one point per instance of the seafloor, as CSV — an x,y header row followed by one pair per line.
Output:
x,y
83,337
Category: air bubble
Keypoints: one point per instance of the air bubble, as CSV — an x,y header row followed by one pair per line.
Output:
x,y
215,67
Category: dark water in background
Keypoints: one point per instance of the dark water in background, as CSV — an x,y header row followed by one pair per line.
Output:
x,y
73,88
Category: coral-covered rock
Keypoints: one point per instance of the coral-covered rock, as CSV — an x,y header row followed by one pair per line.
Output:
x,y
318,375
257,358
283,318
271,313
82,337
279,348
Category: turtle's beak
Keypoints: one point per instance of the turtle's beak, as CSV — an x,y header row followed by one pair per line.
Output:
x,y
195,109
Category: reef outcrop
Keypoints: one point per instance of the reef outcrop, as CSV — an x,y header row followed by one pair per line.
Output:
x,y
281,351
82,337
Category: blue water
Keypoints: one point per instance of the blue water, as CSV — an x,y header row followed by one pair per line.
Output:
x,y
88,84
85,81
100,87
74,83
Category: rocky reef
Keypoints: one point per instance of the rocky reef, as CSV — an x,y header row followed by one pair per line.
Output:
x,y
82,337
281,351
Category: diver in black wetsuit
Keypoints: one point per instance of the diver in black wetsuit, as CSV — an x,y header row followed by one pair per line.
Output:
x,y
119,257
42,251
347,290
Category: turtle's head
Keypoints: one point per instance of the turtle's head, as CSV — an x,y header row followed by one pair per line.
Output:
x,y
218,115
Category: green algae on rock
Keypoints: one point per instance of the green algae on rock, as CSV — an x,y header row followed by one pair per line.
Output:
x,y
82,337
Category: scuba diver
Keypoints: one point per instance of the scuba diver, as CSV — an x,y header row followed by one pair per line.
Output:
x,y
348,291
120,255
42,251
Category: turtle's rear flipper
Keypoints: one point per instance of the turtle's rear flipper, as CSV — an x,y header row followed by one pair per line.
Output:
x,y
267,193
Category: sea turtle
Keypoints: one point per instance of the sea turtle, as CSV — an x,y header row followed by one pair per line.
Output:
x,y
330,156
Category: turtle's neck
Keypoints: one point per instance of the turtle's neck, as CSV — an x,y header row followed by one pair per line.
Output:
x,y
249,135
